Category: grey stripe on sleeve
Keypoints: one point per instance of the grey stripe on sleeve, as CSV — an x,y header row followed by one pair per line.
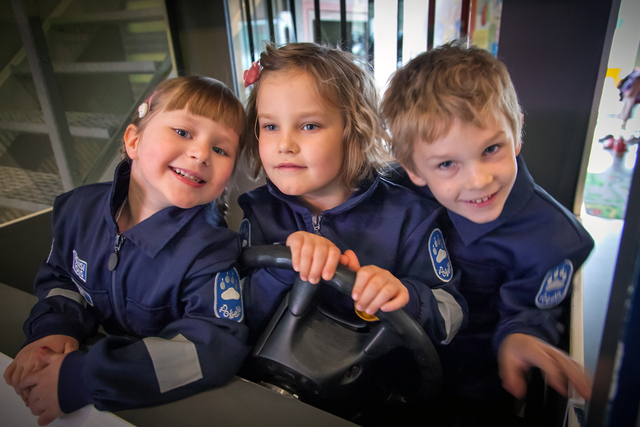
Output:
x,y
72,295
175,361
450,311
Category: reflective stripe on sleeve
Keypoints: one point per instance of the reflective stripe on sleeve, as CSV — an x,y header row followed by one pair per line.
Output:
x,y
72,295
450,311
175,361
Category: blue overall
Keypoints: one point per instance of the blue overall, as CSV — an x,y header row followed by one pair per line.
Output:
x,y
171,304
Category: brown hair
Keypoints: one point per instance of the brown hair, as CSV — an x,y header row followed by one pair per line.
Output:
x,y
451,81
342,83
202,96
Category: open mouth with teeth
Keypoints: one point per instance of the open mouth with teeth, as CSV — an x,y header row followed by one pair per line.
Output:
x,y
187,176
482,200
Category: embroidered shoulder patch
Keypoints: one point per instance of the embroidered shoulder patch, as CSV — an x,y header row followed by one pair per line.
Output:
x,y
228,296
79,267
555,285
245,232
439,256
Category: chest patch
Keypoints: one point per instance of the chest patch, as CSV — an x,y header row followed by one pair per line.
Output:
x,y
79,267
555,285
245,232
228,296
439,256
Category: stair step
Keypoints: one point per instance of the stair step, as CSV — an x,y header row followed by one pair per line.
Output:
x,y
114,17
127,67
88,125
28,190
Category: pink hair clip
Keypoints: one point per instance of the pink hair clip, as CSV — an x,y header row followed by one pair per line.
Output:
x,y
144,108
252,74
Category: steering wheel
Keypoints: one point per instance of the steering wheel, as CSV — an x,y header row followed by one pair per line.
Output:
x,y
329,361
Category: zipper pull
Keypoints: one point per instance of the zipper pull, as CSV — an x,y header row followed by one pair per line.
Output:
x,y
315,221
114,258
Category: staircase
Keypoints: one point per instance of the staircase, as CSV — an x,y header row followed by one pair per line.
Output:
x,y
62,114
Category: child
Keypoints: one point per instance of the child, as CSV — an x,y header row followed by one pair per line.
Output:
x,y
456,124
147,258
318,137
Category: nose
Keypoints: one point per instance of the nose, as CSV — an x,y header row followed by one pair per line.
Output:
x,y
478,176
287,143
200,151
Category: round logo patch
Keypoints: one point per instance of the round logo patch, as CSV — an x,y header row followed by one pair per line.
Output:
x,y
439,256
555,285
245,232
228,296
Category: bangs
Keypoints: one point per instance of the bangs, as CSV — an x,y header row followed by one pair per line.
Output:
x,y
216,103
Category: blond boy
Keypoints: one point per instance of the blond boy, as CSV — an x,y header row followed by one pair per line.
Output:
x,y
456,126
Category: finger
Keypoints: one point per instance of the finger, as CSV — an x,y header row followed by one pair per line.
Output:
x,y
574,372
350,260
368,294
70,346
28,381
295,244
331,263
317,262
513,379
17,375
8,373
400,299
362,278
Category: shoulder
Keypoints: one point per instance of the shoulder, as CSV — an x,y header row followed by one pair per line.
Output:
x,y
82,200
406,198
215,247
256,197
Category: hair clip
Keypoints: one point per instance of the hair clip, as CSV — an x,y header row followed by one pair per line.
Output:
x,y
252,74
144,108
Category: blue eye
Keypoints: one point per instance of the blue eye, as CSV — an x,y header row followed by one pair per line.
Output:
x,y
310,126
183,133
445,165
270,127
492,149
219,151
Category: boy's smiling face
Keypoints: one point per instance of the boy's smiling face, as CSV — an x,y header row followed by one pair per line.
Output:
x,y
471,170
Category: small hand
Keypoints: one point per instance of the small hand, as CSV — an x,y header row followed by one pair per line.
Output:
x,y
313,256
28,359
42,387
377,289
519,352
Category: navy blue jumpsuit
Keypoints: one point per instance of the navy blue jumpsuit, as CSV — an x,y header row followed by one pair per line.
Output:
x,y
385,225
171,307
516,273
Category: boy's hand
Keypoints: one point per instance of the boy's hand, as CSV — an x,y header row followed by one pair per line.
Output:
x,y
377,289
313,256
28,359
519,352
43,387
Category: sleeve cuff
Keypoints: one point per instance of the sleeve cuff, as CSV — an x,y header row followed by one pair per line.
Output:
x,y
73,392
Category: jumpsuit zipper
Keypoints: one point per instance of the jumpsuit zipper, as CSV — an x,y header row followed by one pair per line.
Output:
x,y
114,260
315,221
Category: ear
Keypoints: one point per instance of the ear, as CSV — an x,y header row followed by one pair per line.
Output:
x,y
518,147
131,141
417,180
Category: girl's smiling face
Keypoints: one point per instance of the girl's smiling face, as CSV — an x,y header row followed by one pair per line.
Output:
x,y
180,159
471,170
301,140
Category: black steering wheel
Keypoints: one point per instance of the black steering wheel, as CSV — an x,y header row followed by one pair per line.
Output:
x,y
328,361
